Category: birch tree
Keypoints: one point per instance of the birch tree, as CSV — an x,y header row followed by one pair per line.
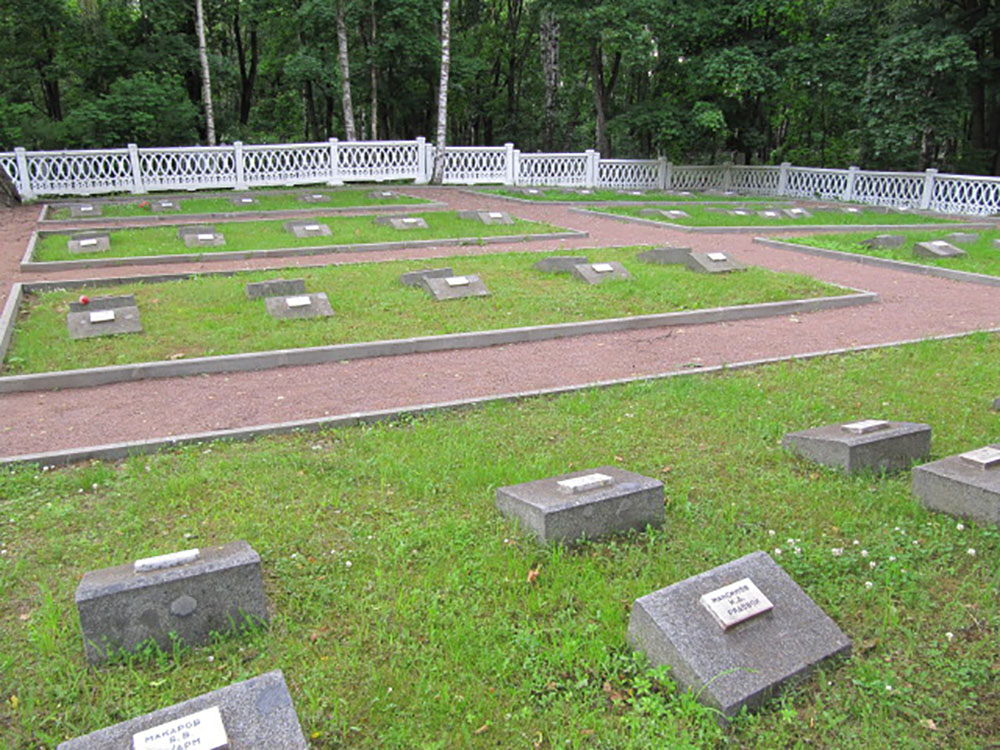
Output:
x,y
345,72
442,113
206,78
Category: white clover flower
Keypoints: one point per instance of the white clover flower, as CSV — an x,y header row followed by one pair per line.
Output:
x,y
770,532
868,584
950,636
837,551
347,563
892,558
864,553
971,551
856,542
888,688
960,526
777,551
872,564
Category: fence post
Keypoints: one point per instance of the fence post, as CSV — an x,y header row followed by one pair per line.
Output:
x,y
133,157
727,178
928,193
783,177
425,158
23,181
593,170
662,172
508,162
852,176
241,182
334,177
516,168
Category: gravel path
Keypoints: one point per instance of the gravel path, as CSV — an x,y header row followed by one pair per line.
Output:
x,y
911,307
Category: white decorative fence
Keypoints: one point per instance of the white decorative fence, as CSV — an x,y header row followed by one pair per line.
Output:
x,y
238,166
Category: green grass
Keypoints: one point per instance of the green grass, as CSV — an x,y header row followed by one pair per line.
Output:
x,y
656,196
269,235
983,256
403,613
265,202
700,216
210,315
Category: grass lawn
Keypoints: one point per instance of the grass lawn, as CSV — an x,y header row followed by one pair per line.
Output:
x,y
983,256
269,235
657,196
288,201
405,616
700,216
210,315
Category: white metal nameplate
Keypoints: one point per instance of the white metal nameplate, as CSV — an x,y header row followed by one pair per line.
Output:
x,y
854,210
88,243
203,730
865,426
602,267
717,256
301,301
496,215
166,561
386,194
311,227
246,200
206,237
795,210
532,191
735,603
984,458
585,483
770,214
940,243
457,281
86,208
410,221
102,316
317,196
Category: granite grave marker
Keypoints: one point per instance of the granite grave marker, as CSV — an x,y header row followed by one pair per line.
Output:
x,y
164,205
416,278
103,316
402,223
966,485
275,288
869,444
937,249
714,262
84,210
486,217
665,256
598,273
307,229
294,307
89,242
455,287
885,241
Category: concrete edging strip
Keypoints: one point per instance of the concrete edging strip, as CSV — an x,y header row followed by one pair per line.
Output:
x,y
8,316
253,361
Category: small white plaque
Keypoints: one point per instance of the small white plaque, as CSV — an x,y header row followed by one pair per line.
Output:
x,y
496,215
717,256
409,220
940,243
795,210
102,316
166,561
246,200
302,301
735,603
386,194
602,267
865,426
206,237
854,210
457,281
86,208
317,196
311,227
203,730
635,192
771,214
88,242
586,192
533,191
984,458
585,483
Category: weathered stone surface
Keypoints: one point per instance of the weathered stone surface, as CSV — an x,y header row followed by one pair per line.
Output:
x,y
110,302
121,609
416,278
665,213
961,237
187,229
796,212
740,212
314,305
307,228
164,205
314,197
960,487
244,200
749,662
84,210
89,242
715,262
383,194
275,288
204,239
850,210
598,273
996,404
402,222
452,287
893,447
256,713
769,213
103,316
885,241
559,263
529,191
486,217
937,249
553,513
665,255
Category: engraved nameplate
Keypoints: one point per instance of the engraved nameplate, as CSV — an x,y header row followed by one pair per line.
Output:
x,y
86,208
940,243
386,194
865,426
311,227
206,237
739,212
716,256
771,214
853,210
166,561
203,730
984,458
602,267
735,603
795,210
457,281
88,243
585,483
102,316
302,301
496,215
410,221
317,196
246,200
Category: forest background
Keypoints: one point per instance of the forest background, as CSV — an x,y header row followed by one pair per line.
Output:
x,y
897,84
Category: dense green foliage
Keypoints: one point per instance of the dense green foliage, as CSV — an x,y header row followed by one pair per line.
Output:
x,y
898,84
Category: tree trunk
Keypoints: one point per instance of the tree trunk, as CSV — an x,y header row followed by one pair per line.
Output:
x,y
549,32
373,73
442,114
345,73
248,74
206,78
602,95
9,196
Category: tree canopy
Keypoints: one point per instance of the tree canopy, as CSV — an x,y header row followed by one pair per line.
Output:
x,y
901,84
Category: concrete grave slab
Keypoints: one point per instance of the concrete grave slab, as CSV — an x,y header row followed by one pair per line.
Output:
x,y
255,713
716,262
164,205
84,210
583,504
739,212
486,217
735,635
314,197
966,485
598,273
961,237
665,213
796,213
402,222
244,200
416,278
214,590
204,239
89,242
937,249
559,263
383,194
870,444
110,302
996,404
103,316
294,307
885,241
769,213
850,210
529,191
308,228
187,229
455,287
275,288
665,256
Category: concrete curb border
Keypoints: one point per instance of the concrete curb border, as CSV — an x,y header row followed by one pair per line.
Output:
x,y
871,260
665,202
122,450
787,228
254,361
8,315
282,252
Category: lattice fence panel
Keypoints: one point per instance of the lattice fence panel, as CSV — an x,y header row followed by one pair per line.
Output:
x,y
9,162
382,160
472,165
557,170
624,174
965,195
286,165
698,178
188,168
755,180
889,188
827,184
79,172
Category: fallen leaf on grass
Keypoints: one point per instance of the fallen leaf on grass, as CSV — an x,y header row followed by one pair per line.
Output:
x,y
483,728
929,724
177,355
533,574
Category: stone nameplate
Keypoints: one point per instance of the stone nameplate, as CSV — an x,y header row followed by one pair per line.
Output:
x,y
300,301
584,484
203,730
457,281
169,560
496,215
984,458
731,605
603,267
716,256
314,305
940,243
89,242
205,237
865,426
410,220
768,214
246,200
102,316
441,288
86,209
311,227
165,206
712,263
307,229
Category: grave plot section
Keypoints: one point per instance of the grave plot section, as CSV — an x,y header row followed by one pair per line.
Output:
x,y
966,485
103,316
609,195
88,242
863,445
735,635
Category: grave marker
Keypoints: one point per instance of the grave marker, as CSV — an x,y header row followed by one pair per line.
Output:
x,y
937,249
204,239
961,237
966,485
275,288
416,278
885,241
559,263
244,200
598,273
164,205
715,262
870,444
665,213
84,210
84,321
381,194
315,305
89,242
665,255
455,287
402,222
307,229
769,213
796,213
486,217
314,198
